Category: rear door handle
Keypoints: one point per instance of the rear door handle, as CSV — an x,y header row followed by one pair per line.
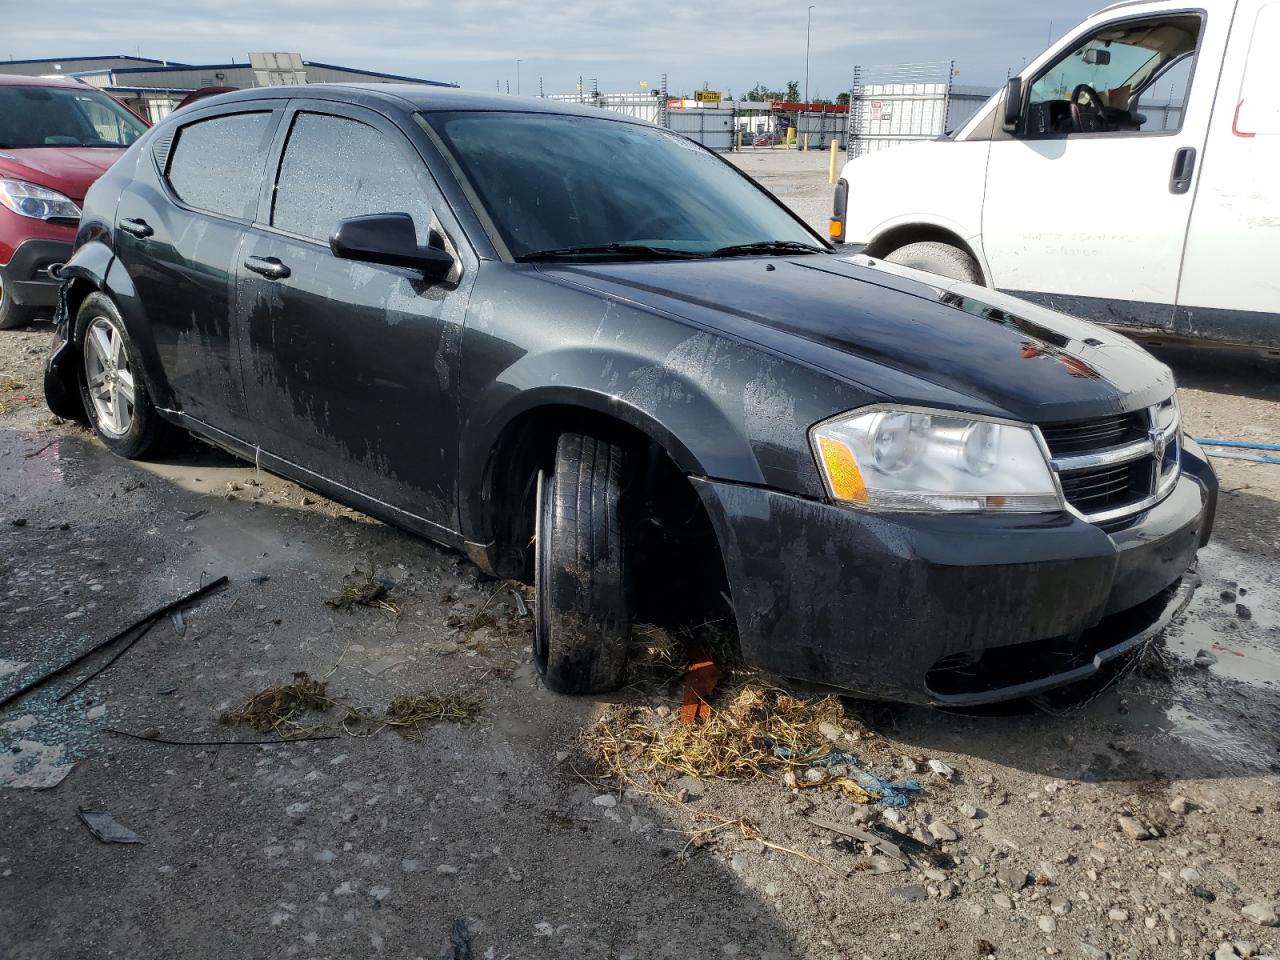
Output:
x,y
1184,164
268,267
136,227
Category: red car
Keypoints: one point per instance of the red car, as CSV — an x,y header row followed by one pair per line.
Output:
x,y
56,138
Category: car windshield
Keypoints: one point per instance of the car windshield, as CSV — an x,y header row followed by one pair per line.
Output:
x,y
64,117
570,187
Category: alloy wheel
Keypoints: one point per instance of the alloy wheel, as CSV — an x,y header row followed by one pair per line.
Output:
x,y
109,377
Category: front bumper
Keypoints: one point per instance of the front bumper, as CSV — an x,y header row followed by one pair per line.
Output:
x,y
26,276
952,610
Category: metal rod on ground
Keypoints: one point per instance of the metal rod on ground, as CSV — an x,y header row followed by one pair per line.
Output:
x,y
154,615
142,630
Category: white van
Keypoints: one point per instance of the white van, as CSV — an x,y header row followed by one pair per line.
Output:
x,y
1130,175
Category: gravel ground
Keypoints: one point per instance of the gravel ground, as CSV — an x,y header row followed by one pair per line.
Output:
x,y
1143,822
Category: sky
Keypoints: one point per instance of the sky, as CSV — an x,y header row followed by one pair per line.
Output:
x,y
476,43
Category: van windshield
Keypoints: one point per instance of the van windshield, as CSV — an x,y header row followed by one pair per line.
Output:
x,y
570,187
32,116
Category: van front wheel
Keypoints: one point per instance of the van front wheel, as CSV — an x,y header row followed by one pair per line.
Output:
x,y
943,259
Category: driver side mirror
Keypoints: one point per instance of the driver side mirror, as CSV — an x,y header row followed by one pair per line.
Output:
x,y
388,238
1012,104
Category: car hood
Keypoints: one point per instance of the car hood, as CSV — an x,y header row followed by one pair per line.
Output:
x,y
909,336
69,170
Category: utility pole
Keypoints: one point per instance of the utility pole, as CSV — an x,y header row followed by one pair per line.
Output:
x,y
517,77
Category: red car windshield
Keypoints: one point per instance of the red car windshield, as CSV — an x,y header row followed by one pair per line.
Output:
x,y
33,116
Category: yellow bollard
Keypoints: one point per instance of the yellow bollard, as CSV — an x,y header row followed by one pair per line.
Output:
x,y
806,143
791,137
835,145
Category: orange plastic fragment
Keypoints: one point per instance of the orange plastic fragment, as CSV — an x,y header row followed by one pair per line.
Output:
x,y
699,683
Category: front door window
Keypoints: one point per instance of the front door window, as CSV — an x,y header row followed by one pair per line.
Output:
x,y
1113,81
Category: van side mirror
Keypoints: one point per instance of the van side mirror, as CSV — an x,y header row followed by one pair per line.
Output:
x,y
388,238
1012,104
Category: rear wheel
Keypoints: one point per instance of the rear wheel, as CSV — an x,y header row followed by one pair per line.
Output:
x,y
583,604
943,259
13,315
111,386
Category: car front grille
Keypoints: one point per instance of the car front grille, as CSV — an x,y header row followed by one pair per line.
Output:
x,y
1113,468
1082,435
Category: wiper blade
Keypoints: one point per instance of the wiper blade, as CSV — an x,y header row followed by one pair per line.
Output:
x,y
628,250
766,246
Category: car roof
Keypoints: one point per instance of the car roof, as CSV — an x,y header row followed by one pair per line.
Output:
x,y
418,97
17,80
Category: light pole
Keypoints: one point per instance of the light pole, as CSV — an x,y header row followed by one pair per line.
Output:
x,y
807,28
517,78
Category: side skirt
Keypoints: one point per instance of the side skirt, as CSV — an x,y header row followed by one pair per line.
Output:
x,y
479,554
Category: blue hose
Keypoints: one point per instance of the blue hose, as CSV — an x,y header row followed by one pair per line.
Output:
x,y
1244,444
1252,458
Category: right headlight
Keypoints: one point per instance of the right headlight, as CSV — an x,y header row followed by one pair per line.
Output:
x,y
886,458
37,202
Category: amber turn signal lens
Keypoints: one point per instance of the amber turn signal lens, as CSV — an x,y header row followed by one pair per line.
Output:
x,y
836,230
842,471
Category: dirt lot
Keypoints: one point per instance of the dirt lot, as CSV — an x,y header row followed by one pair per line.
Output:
x,y
373,843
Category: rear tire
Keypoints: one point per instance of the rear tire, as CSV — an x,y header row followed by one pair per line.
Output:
x,y
943,259
111,384
13,315
583,606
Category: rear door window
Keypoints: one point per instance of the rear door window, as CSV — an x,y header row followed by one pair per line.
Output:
x,y
334,168
216,164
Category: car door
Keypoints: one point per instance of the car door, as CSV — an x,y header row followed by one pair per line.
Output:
x,y
1093,221
350,368
179,226
1229,289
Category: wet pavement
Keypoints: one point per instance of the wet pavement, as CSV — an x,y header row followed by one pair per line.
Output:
x,y
375,844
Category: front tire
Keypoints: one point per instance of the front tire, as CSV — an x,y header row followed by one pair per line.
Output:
x,y
13,315
583,605
111,385
943,259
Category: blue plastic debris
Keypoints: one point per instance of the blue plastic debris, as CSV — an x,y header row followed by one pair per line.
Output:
x,y
887,794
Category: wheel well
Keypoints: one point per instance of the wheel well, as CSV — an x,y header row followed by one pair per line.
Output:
x,y
896,237
673,540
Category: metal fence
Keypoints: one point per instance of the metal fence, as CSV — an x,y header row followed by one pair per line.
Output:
x,y
894,104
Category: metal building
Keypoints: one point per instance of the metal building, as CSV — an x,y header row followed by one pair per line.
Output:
x,y
154,87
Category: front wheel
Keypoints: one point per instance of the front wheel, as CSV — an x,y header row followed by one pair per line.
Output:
x,y
13,315
111,386
583,605
943,259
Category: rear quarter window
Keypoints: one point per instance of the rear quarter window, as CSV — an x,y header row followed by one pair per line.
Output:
x,y
216,164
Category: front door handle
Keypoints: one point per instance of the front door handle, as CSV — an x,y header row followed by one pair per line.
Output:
x,y
1184,164
268,267
137,227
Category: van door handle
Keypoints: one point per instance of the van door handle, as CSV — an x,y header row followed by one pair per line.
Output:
x,y
268,267
136,227
1184,164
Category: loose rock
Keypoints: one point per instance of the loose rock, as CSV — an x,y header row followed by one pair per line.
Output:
x,y
1263,914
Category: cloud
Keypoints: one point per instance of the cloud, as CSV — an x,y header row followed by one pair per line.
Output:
x,y
477,43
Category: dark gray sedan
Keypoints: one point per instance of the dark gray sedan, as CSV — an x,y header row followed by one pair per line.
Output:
x,y
591,353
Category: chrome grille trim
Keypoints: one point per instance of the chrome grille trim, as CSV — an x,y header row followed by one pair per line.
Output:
x,y
1155,447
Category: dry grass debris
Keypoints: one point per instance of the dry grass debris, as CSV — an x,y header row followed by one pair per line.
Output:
x,y
753,730
408,713
278,709
361,589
